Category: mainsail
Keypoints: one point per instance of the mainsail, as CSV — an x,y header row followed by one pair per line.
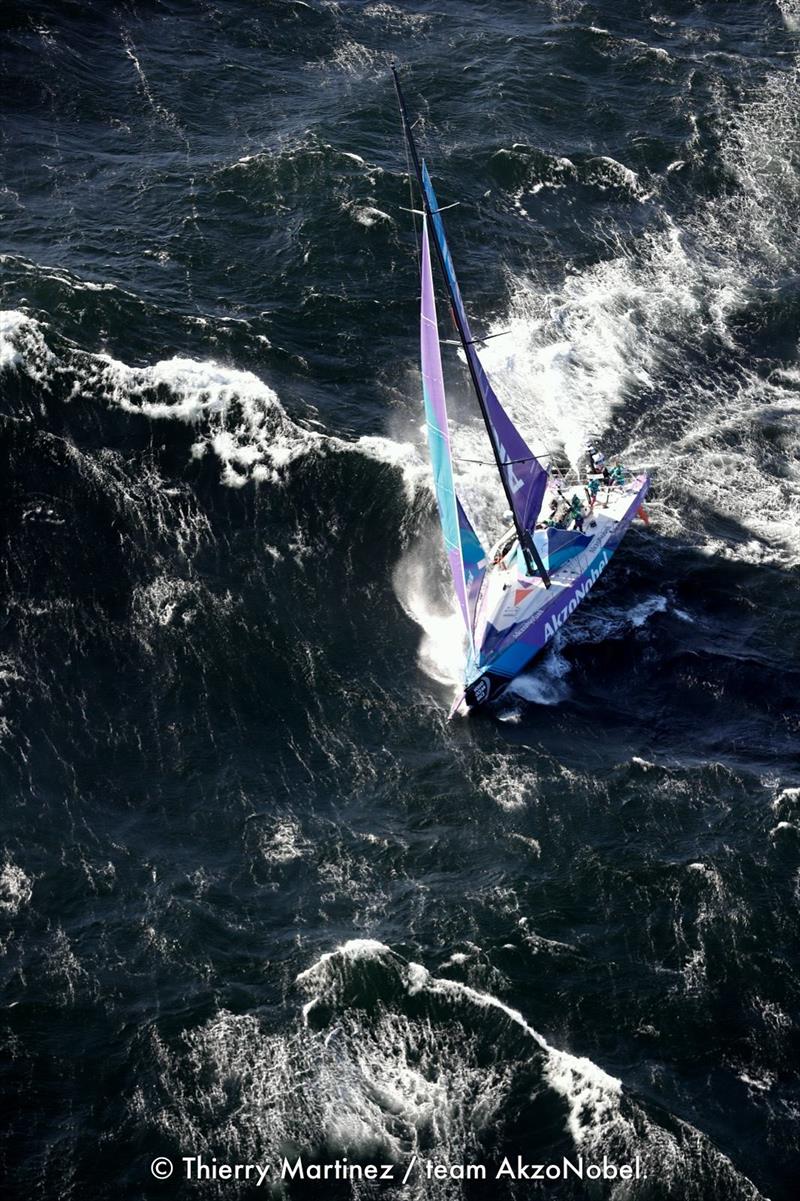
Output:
x,y
523,477
465,554
523,474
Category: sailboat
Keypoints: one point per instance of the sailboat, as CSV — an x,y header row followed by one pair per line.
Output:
x,y
514,598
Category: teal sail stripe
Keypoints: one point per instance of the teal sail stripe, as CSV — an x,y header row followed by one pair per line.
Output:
x,y
465,574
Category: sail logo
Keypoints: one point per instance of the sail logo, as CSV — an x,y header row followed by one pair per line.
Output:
x,y
558,619
514,482
523,590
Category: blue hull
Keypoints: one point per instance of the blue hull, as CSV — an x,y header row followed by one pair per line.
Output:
x,y
490,675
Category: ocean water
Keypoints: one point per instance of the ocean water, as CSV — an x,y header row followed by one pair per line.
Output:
x,y
257,896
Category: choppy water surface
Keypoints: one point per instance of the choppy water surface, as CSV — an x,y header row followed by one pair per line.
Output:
x,y
256,895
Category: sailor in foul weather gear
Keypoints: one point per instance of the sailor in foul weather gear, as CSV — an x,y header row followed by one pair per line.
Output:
x,y
595,460
576,512
592,489
506,548
550,522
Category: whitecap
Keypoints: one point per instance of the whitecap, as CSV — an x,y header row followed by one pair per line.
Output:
x,y
16,888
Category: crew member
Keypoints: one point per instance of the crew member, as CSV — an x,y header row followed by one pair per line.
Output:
x,y
592,489
595,460
576,512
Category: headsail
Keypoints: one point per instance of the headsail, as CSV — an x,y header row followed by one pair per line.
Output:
x,y
474,557
523,474
465,554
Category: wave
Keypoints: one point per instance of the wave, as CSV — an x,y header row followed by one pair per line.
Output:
x,y
389,1061
546,684
238,417
527,171
234,416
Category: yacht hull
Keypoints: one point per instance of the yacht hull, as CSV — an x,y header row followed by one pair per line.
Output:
x,y
515,628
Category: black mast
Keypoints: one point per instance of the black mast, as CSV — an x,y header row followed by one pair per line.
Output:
x,y
525,540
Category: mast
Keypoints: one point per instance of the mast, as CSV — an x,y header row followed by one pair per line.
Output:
x,y
532,557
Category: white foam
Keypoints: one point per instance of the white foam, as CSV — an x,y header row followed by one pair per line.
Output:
x,y
63,964
532,844
161,111
16,888
244,423
592,1095
639,614
616,172
787,798
281,840
22,345
572,356
354,58
506,781
239,418
164,600
406,456
353,949
427,599
790,11
546,683
456,959
396,18
368,215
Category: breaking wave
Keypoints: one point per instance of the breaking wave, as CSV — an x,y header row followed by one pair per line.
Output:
x,y
236,418
389,1062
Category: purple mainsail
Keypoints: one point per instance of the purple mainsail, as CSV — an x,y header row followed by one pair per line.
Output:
x,y
464,552
523,474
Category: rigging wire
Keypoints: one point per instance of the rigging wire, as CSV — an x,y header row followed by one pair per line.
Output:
x,y
486,463
410,176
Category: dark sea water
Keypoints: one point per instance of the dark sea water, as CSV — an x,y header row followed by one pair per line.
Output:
x,y
257,896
